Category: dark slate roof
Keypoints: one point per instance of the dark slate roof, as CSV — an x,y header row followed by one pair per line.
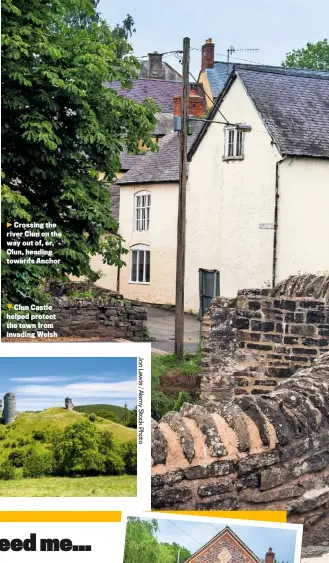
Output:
x,y
115,199
129,160
160,166
294,106
164,123
217,76
163,126
162,91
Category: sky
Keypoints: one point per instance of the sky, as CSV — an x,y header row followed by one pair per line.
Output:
x,y
41,383
275,28
194,535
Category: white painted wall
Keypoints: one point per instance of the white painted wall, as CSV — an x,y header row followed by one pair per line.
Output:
x,y
161,238
303,219
226,202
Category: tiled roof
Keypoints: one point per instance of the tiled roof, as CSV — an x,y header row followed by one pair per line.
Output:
x,y
217,76
160,166
163,126
162,91
114,190
294,106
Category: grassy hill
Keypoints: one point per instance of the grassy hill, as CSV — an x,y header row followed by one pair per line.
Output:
x,y
20,433
106,411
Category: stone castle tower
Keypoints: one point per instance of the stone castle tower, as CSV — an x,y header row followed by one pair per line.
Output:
x,y
69,404
9,408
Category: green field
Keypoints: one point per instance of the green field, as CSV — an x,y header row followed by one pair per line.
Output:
x,y
52,419
20,436
118,486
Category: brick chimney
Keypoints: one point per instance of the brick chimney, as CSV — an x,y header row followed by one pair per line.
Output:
x,y
269,557
208,55
156,69
195,104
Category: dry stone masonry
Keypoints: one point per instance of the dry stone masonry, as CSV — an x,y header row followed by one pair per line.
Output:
x,y
86,311
263,336
263,443
266,451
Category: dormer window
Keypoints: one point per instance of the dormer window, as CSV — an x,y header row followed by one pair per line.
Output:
x,y
234,143
142,211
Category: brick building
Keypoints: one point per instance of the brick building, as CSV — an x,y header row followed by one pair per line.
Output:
x,y
226,547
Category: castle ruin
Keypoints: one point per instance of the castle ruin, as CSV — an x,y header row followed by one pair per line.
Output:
x,y
69,404
9,408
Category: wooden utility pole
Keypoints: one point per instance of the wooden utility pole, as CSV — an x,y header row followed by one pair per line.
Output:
x,y
181,222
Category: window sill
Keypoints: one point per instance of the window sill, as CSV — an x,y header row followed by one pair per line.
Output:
x,y
232,158
139,283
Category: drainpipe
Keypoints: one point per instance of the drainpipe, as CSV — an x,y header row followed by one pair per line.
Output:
x,y
276,214
119,269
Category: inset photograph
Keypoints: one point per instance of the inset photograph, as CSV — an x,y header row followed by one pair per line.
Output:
x,y
178,539
68,427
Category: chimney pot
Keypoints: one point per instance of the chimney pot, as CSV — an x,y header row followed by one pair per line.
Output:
x,y
269,557
208,55
195,105
156,69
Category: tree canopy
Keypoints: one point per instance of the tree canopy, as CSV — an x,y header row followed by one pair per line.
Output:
x,y
62,131
313,56
142,545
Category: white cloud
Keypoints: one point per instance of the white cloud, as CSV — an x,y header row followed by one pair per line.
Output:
x,y
75,390
40,379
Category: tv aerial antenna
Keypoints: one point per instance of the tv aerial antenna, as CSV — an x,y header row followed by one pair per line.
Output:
x,y
232,50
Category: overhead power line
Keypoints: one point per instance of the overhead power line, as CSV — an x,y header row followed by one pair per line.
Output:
x,y
174,524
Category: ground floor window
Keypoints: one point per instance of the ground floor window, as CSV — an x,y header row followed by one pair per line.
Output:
x,y
140,266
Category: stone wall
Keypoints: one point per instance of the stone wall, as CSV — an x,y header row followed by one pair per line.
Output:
x,y
264,335
86,311
263,452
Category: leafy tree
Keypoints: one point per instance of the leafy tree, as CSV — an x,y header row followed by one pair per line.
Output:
x,y
62,131
83,449
130,457
142,545
77,450
38,464
16,458
7,471
313,56
170,553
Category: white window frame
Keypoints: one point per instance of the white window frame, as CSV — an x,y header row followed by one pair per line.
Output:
x,y
142,211
233,144
139,249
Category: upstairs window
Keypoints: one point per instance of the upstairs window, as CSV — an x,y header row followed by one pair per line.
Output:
x,y
234,143
142,211
140,264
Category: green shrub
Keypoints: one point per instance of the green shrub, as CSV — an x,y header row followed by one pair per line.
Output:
x,y
38,464
2,434
16,458
7,471
22,442
129,453
13,445
115,464
92,417
40,435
